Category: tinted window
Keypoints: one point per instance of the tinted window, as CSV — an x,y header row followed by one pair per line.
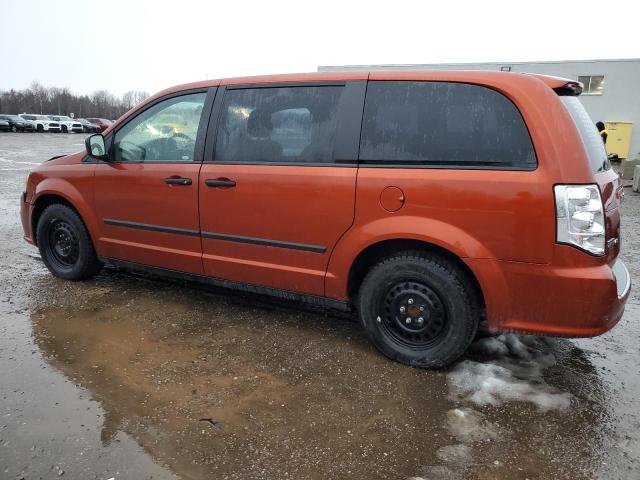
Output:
x,y
438,123
280,125
589,134
165,132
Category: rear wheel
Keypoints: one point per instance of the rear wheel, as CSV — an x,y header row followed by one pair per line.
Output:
x,y
64,129
418,309
14,129
40,128
65,245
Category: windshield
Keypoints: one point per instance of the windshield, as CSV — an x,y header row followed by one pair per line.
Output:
x,y
589,134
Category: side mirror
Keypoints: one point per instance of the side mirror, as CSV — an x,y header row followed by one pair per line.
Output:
x,y
95,146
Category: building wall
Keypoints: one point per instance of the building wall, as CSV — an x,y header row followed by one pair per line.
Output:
x,y
620,101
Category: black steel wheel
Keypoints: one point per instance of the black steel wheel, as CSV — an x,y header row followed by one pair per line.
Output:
x,y
65,246
419,309
412,314
63,243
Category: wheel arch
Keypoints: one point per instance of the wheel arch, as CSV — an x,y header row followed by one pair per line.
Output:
x,y
389,235
376,252
50,194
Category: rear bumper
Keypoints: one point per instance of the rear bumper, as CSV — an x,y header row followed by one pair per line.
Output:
x,y
551,300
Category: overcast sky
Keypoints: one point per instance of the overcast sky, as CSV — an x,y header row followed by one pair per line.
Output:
x,y
148,45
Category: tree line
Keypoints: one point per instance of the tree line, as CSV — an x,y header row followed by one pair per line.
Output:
x,y
61,101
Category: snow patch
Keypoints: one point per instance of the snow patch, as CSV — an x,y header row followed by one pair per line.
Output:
x,y
468,426
514,372
459,455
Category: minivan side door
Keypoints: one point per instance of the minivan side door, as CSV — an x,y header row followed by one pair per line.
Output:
x,y
277,187
146,196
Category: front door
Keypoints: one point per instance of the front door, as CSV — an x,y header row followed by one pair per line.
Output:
x,y
277,187
147,195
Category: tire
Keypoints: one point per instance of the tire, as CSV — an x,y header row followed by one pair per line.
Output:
x,y
14,129
64,129
65,245
40,128
418,309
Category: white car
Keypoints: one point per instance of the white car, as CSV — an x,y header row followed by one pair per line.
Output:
x,y
67,124
42,122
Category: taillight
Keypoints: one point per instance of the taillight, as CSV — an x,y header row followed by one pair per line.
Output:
x,y
580,217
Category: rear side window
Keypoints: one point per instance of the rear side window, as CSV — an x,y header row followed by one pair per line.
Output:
x,y
589,134
278,125
443,124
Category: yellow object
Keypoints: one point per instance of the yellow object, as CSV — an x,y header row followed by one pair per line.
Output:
x,y
619,138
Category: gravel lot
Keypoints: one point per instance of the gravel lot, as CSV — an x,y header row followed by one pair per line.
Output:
x,y
132,377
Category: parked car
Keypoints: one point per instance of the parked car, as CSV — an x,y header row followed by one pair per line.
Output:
x,y
16,123
5,126
103,123
468,205
89,127
67,124
42,122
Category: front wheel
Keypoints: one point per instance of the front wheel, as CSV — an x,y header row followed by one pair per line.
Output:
x,y
419,309
65,246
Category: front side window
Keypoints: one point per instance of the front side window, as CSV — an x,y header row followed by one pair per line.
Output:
x,y
592,84
443,124
278,125
165,132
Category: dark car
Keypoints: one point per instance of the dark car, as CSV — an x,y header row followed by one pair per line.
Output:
x,y
16,123
103,123
4,126
89,127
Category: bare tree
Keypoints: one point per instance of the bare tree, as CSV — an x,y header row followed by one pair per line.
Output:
x,y
61,101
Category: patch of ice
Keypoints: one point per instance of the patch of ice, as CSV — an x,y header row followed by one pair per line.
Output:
x,y
514,373
468,426
458,455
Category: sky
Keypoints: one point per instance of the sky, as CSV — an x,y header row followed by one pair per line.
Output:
x,y
121,45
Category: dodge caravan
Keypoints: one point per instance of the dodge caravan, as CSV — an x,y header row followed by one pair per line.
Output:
x,y
425,201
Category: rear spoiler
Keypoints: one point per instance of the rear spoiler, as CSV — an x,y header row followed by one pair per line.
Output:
x,y
564,87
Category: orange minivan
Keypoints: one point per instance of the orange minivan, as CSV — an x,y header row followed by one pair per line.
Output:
x,y
425,201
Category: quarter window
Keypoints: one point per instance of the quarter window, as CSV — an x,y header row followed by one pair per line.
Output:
x,y
443,124
592,84
166,132
278,125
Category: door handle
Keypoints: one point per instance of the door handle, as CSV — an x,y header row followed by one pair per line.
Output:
x,y
178,181
220,182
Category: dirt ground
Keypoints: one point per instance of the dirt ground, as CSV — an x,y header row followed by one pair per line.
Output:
x,y
135,377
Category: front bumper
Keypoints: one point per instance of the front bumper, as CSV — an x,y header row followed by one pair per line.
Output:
x,y
551,300
25,218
